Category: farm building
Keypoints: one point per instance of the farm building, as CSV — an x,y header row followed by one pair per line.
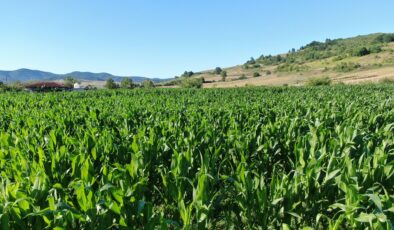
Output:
x,y
46,86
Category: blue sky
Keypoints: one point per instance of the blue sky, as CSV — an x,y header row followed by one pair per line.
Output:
x,y
158,38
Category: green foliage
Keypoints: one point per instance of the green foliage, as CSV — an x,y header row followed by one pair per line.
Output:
x,y
192,82
385,38
147,84
338,48
224,75
319,81
347,67
362,51
187,74
127,83
242,77
246,158
218,70
111,84
69,81
375,49
15,86
256,74
291,68
251,61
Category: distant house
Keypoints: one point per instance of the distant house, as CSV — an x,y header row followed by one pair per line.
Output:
x,y
46,87
78,87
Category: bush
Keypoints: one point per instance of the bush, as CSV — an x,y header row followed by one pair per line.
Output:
x,y
375,49
224,75
69,81
291,68
347,66
110,84
192,83
268,72
361,52
147,84
385,38
127,83
256,66
256,74
319,81
242,77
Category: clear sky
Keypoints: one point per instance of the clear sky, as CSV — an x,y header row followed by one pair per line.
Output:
x,y
163,38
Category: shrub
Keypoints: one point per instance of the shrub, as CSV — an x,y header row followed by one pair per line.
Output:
x,y
192,83
256,66
147,84
385,38
268,72
319,81
375,49
361,52
256,74
242,77
127,83
291,68
110,84
347,66
224,75
69,81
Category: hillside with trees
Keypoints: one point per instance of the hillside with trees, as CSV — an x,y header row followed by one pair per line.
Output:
x,y
367,58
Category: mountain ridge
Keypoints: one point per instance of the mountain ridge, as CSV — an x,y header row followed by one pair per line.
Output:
x,y
26,75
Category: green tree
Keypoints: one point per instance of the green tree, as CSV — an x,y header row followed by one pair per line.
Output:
x,y
224,75
148,84
192,82
69,81
218,70
110,84
188,74
361,52
127,83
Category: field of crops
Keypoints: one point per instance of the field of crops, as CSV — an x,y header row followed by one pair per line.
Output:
x,y
251,158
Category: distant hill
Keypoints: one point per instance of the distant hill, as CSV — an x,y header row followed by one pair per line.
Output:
x,y
366,58
25,75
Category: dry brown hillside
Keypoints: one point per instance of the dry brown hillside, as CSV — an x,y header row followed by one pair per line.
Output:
x,y
341,60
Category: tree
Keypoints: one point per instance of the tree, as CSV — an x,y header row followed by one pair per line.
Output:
x,y
224,75
361,52
110,84
188,74
148,84
127,83
192,82
69,81
218,70
252,61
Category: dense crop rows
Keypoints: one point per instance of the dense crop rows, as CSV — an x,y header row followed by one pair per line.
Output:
x,y
264,158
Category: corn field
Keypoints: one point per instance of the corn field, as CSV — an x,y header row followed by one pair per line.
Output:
x,y
248,158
